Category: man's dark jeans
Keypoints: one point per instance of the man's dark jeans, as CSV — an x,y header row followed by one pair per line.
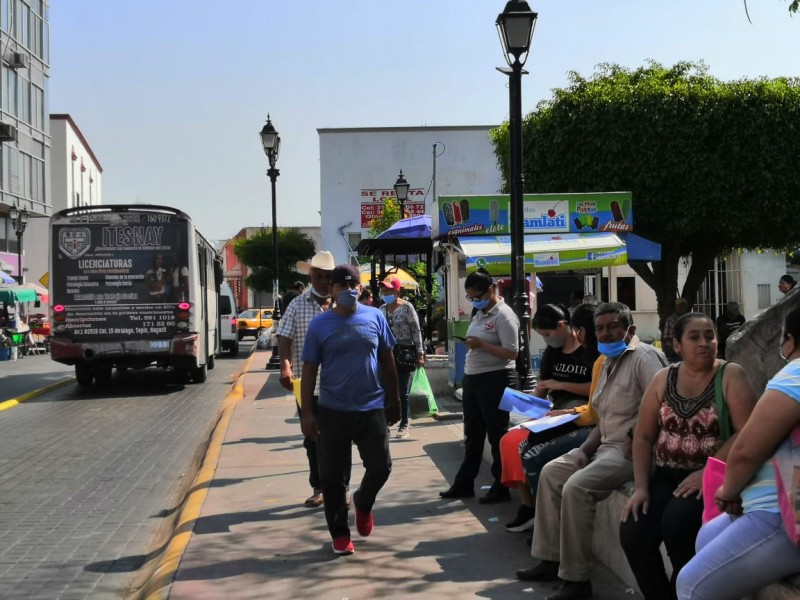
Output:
x,y
338,430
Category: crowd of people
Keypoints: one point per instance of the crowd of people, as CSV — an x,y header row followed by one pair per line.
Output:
x,y
632,413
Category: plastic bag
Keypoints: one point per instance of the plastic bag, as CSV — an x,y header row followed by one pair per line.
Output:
x,y
421,402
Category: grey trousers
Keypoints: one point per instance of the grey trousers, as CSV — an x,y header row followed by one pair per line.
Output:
x,y
566,504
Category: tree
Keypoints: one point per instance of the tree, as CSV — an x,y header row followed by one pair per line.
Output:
x,y
256,253
389,216
712,166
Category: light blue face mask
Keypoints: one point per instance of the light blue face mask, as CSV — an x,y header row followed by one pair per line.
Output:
x,y
347,298
389,299
613,349
480,304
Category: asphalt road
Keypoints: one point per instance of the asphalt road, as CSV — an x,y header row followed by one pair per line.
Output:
x,y
88,475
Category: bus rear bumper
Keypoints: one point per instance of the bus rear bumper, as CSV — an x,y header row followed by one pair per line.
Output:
x,y
179,352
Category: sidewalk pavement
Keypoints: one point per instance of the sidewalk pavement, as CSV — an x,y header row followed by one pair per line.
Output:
x,y
253,537
30,373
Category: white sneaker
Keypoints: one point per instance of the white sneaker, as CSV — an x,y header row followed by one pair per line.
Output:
x,y
402,431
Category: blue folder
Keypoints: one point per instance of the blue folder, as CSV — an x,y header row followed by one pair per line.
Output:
x,y
524,404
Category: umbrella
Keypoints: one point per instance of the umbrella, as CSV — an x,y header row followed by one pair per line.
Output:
x,y
412,227
6,278
38,289
16,293
405,278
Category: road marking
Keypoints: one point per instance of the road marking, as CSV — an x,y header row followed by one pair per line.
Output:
x,y
48,388
158,585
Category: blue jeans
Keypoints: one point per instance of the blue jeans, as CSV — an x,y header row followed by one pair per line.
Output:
x,y
737,557
404,383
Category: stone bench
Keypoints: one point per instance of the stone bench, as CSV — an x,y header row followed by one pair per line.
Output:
x,y
607,549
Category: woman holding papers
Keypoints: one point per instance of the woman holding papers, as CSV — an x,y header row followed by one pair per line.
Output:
x,y
492,339
564,378
679,427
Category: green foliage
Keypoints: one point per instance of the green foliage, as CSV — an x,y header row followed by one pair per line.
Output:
x,y
711,165
417,270
256,253
390,216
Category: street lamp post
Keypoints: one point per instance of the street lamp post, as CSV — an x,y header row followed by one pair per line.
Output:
x,y
401,191
272,144
19,220
515,26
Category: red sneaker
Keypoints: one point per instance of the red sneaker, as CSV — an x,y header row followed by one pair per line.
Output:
x,y
364,522
343,545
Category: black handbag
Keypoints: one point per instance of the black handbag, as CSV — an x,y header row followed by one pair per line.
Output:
x,y
405,358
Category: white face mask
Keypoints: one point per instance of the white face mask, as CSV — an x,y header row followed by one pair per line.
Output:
x,y
318,295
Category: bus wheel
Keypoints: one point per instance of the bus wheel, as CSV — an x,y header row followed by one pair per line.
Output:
x,y
199,374
212,362
83,374
102,375
235,350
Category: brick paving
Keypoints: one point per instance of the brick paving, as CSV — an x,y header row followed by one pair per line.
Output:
x,y
88,474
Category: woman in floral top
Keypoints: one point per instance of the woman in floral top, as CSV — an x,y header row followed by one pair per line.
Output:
x,y
404,324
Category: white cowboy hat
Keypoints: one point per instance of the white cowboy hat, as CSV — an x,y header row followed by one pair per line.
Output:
x,y
322,260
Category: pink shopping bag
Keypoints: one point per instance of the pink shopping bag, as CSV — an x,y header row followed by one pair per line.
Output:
x,y
713,476
786,462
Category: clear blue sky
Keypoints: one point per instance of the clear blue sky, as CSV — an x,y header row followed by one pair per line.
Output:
x,y
171,94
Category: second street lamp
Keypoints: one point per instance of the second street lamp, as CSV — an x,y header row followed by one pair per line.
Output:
x,y
19,221
515,26
401,191
272,144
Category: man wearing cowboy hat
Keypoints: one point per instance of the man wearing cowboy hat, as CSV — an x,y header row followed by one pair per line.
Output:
x,y
291,337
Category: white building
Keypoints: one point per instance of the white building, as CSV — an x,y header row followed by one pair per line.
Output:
x,y
359,166
76,179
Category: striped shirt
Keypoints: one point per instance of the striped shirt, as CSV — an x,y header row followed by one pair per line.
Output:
x,y
294,325
620,388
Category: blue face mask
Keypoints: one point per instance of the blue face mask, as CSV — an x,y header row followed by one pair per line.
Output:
x,y
480,304
613,349
347,298
389,299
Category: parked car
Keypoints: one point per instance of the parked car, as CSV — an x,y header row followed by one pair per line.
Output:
x,y
254,322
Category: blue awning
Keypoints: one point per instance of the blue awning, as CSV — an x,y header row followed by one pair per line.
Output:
x,y
641,249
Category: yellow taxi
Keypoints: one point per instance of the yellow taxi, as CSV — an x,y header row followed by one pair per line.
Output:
x,y
254,322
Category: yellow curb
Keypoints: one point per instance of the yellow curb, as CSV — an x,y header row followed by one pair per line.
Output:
x,y
158,585
48,388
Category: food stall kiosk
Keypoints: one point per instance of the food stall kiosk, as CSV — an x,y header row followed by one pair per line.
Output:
x,y
582,233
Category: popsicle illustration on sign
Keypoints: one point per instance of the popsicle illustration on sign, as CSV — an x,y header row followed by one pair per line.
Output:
x,y
494,211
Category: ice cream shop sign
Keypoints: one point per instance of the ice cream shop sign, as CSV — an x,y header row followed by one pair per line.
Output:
x,y
543,213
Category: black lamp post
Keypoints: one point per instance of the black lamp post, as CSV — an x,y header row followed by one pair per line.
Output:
x,y
401,191
515,26
19,220
272,144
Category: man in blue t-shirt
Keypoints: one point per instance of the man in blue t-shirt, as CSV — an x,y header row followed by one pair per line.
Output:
x,y
351,342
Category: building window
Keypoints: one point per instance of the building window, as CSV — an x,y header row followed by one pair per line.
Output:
x,y
626,291
10,92
763,296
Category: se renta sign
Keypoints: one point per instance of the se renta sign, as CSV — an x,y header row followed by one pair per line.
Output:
x,y
542,213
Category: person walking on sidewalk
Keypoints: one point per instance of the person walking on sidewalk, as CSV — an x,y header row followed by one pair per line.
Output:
x,y
492,339
350,342
409,353
570,486
291,336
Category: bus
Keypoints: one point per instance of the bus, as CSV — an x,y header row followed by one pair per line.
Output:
x,y
132,286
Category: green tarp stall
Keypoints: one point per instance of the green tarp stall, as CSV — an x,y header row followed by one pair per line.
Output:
x,y
545,252
9,294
